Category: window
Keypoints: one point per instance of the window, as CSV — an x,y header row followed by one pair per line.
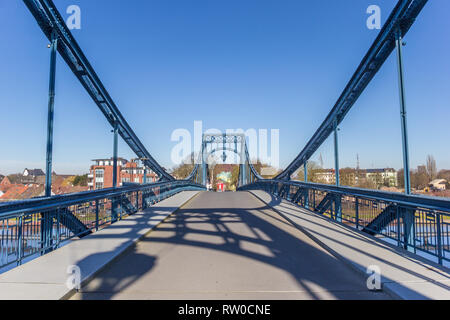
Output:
x,y
99,173
99,185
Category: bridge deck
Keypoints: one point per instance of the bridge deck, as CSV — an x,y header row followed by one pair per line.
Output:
x,y
403,275
45,277
227,246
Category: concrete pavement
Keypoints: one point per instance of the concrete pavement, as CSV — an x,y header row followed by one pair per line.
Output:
x,y
45,277
403,274
227,246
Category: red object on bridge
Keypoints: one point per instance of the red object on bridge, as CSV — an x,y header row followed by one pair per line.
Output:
x,y
220,187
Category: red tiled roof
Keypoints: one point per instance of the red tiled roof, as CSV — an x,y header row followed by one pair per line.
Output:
x,y
14,192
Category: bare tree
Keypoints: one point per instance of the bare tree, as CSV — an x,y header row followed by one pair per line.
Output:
x,y
312,168
431,167
183,170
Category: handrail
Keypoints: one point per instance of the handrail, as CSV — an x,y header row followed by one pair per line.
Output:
x,y
43,204
414,222
428,202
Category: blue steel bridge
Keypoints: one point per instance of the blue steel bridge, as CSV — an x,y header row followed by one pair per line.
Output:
x,y
272,239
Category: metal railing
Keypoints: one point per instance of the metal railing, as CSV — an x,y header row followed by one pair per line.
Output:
x,y
415,223
33,227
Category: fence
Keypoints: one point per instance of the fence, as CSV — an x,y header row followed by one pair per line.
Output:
x,y
34,227
416,223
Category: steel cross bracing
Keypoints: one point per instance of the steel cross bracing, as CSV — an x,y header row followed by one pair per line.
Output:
x,y
400,20
195,175
50,20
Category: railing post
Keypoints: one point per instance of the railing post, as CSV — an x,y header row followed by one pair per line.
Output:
x,y
20,241
51,104
439,235
114,209
357,212
121,206
399,44
314,199
58,228
409,236
399,241
46,231
144,179
305,177
137,201
96,215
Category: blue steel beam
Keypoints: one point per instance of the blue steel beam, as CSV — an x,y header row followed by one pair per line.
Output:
x,y
406,174
50,20
51,104
115,151
401,18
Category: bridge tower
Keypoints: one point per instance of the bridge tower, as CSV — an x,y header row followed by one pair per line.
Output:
x,y
224,142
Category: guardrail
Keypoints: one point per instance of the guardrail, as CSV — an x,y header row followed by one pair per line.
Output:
x,y
416,223
33,227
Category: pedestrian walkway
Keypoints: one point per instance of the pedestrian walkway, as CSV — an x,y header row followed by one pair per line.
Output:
x,y
46,276
403,275
227,245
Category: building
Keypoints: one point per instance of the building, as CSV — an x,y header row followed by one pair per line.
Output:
x,y
327,176
438,184
33,176
33,172
353,177
132,172
101,173
386,176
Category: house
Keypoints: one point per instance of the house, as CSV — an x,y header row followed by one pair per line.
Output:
x,y
14,192
438,184
32,176
325,176
385,176
101,173
5,182
33,172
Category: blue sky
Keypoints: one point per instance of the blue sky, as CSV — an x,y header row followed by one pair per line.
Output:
x,y
264,64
